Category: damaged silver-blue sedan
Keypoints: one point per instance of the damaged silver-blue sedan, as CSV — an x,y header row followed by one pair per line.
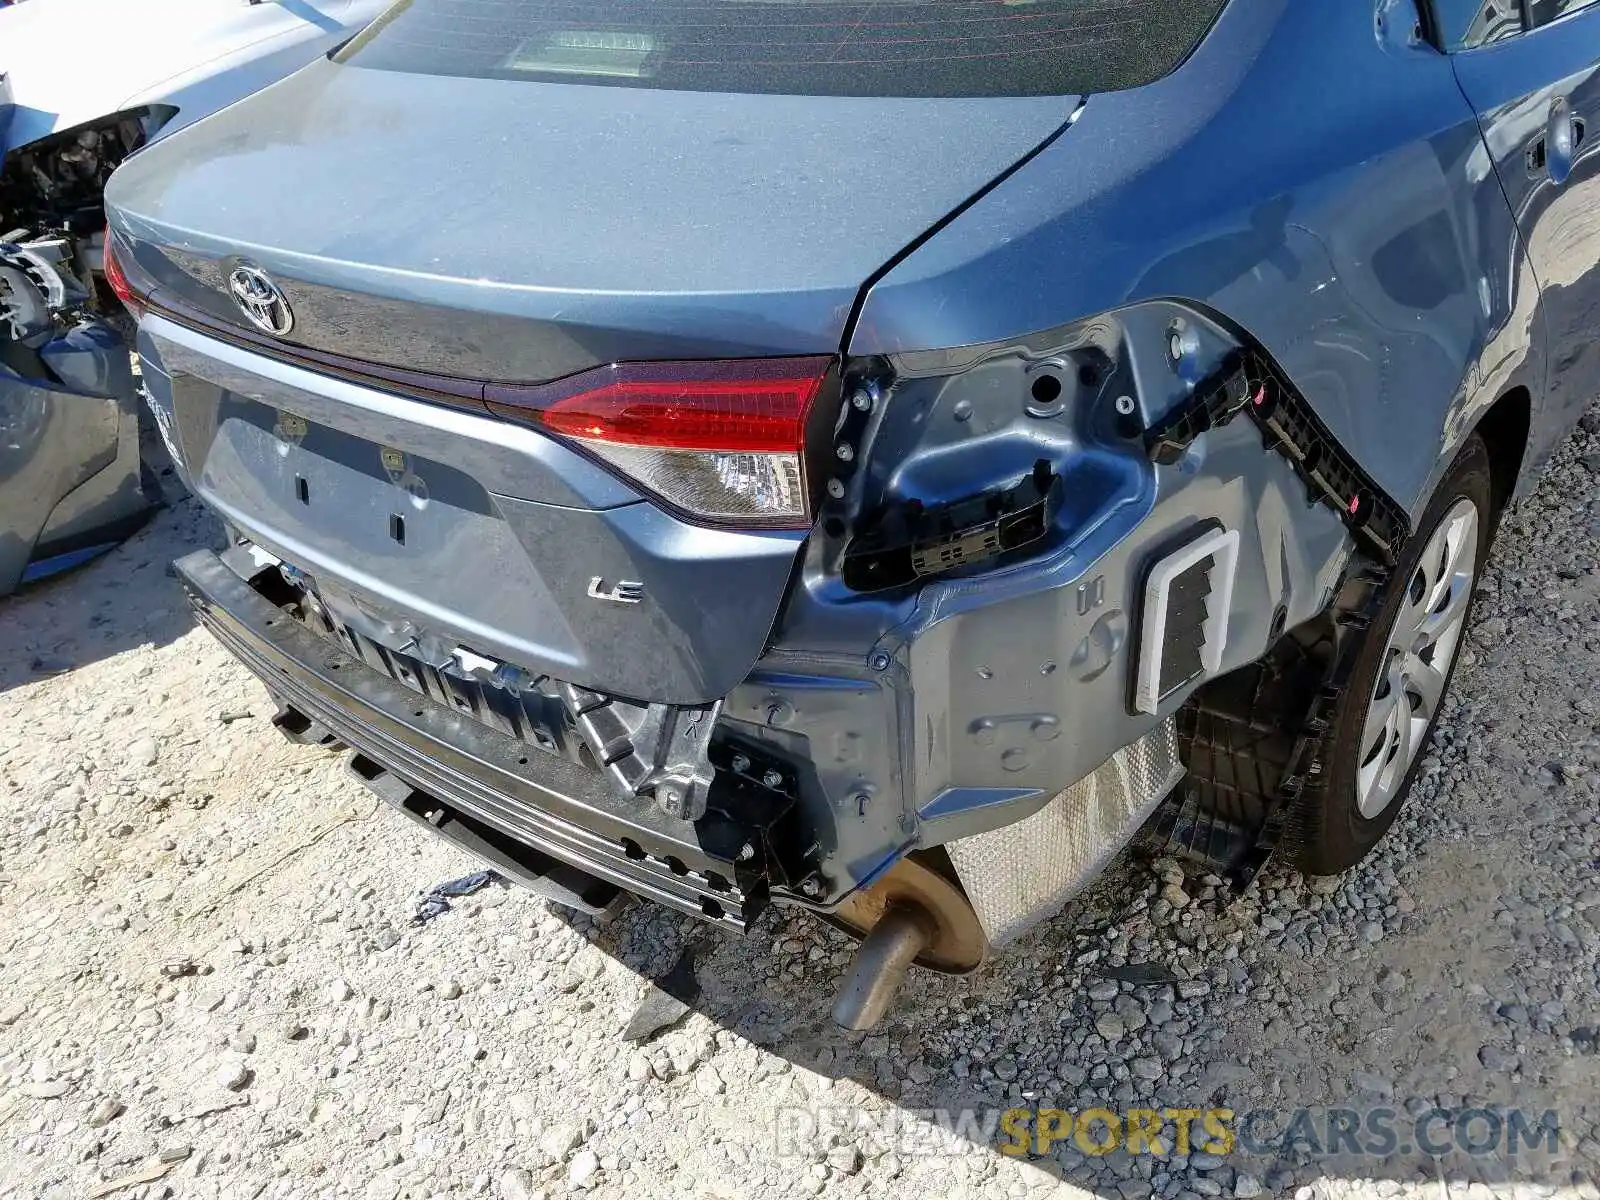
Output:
x,y
875,458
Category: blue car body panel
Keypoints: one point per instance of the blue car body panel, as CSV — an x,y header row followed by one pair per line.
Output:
x,y
572,237
1314,174
69,454
1538,94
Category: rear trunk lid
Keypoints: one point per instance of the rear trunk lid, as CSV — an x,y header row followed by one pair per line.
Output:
x,y
517,230
511,230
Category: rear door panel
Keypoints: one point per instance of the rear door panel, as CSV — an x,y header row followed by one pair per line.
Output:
x,y
1525,89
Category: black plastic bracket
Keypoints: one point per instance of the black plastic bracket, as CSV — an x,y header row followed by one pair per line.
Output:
x,y
1249,382
909,542
1261,739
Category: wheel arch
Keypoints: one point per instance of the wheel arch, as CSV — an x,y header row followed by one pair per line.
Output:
x,y
1505,428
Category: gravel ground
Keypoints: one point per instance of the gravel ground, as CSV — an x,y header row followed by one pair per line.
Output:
x,y
209,985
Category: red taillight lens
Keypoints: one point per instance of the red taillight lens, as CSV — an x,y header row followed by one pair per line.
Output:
x,y
117,278
765,416
723,441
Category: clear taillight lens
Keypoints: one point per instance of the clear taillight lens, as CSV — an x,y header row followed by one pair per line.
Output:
x,y
724,441
756,489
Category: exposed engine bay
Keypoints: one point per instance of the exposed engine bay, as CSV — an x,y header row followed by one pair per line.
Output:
x,y
41,296
52,190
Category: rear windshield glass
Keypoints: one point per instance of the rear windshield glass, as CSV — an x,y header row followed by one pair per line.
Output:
x,y
804,47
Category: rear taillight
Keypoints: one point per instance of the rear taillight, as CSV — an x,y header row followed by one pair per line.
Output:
x,y
722,441
117,277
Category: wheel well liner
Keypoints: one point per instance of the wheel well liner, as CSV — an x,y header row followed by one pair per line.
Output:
x,y
1237,742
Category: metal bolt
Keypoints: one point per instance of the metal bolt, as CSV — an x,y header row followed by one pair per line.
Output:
x,y
836,488
880,660
862,400
845,452
1126,406
861,800
772,779
811,886
746,852
741,763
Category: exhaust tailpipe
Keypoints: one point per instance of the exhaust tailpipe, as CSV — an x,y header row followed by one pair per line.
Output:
x,y
879,967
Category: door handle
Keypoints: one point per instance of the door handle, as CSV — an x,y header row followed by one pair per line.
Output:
x,y
1554,150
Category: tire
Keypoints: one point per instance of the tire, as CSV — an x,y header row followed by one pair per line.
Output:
x,y
1384,722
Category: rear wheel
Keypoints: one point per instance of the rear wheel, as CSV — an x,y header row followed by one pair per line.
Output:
x,y
1402,671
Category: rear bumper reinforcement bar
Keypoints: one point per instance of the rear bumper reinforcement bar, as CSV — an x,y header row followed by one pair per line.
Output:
x,y
473,785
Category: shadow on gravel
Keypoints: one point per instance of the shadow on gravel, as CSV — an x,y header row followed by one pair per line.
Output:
x,y
125,599
1424,1024
1283,1062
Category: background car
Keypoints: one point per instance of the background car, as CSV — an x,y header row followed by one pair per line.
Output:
x,y
72,107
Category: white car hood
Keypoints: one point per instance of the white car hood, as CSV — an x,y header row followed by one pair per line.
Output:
x,y
70,61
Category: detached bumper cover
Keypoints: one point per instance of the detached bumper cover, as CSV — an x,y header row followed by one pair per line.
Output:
x,y
498,783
